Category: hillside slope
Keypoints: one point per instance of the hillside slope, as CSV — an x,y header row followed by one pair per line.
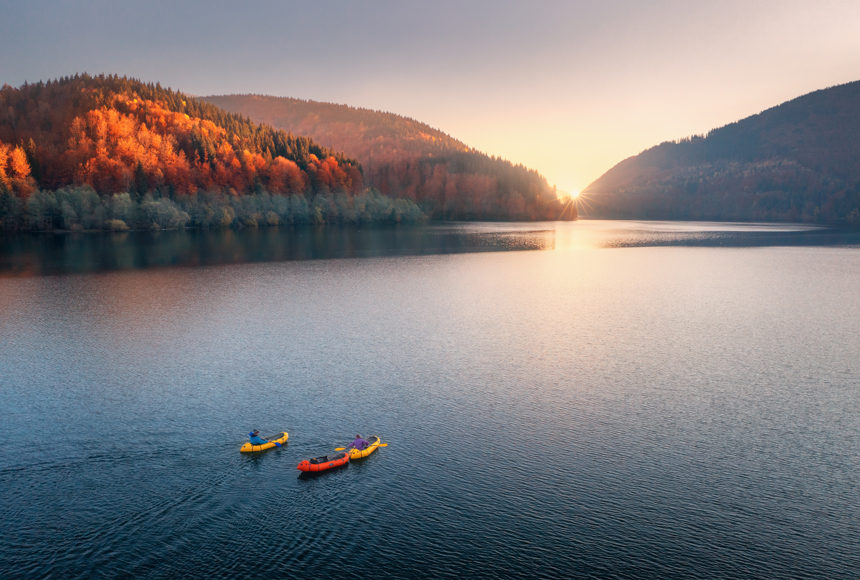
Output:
x,y
799,161
106,152
119,134
405,158
369,134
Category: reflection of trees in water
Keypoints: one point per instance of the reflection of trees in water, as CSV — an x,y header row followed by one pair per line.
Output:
x,y
87,252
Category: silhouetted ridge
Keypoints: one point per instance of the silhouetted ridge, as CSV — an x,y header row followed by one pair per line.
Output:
x,y
797,161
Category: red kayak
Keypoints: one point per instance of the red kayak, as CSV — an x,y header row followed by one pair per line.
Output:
x,y
323,463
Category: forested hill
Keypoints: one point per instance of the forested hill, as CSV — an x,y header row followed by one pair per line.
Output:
x,y
105,152
365,132
799,161
405,158
120,135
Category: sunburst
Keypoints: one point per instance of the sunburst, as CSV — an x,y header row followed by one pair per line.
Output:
x,y
572,199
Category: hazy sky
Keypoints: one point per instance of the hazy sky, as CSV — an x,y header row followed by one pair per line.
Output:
x,y
569,88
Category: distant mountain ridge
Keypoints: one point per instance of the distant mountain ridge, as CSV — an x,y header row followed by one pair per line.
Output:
x,y
799,161
405,158
368,132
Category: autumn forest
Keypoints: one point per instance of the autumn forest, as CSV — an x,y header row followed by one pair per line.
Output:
x,y
109,152
403,157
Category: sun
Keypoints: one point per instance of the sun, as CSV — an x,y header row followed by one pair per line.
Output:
x,y
567,196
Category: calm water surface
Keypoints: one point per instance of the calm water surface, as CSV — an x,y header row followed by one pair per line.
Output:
x,y
613,400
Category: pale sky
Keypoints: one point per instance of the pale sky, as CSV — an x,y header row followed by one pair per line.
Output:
x,y
568,88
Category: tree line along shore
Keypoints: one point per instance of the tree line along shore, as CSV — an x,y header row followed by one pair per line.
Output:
x,y
81,208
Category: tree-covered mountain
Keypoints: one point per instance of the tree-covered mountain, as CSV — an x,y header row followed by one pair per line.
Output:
x,y
799,161
404,158
100,152
119,134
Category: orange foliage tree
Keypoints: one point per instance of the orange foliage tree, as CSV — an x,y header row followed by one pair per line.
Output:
x,y
119,135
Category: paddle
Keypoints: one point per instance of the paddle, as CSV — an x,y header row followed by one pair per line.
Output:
x,y
342,448
269,440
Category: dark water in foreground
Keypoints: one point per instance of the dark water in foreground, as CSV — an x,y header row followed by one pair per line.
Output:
x,y
633,400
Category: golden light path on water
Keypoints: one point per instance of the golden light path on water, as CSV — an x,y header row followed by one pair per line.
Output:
x,y
586,234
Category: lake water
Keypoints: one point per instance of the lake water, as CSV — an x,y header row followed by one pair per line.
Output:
x,y
588,399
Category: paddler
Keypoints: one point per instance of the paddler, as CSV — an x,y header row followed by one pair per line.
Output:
x,y
359,444
256,439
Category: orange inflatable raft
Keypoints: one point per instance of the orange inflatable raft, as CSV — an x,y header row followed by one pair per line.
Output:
x,y
323,463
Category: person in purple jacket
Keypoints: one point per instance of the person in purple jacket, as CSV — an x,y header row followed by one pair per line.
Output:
x,y
359,444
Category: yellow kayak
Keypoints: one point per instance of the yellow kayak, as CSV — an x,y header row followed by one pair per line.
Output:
x,y
277,438
356,454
